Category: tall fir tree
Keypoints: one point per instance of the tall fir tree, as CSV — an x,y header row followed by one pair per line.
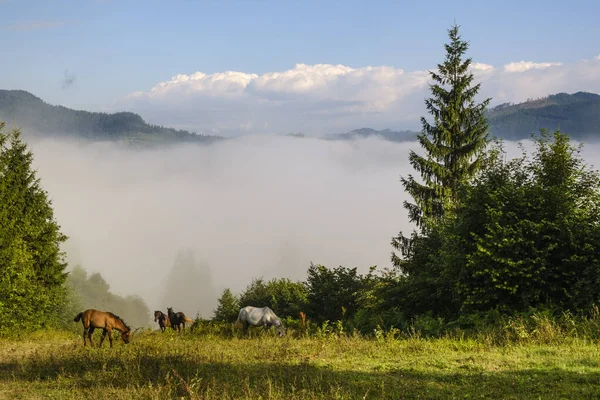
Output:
x,y
189,287
32,266
454,142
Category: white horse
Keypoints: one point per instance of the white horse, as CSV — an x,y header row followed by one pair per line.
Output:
x,y
259,316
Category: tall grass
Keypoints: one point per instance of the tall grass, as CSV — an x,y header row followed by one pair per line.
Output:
x,y
529,356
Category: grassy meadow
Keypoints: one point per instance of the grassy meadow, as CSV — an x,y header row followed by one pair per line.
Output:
x,y
207,364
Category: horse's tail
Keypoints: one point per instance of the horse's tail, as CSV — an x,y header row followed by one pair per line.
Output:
x,y
77,317
186,319
238,322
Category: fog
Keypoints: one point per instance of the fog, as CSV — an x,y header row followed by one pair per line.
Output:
x,y
258,206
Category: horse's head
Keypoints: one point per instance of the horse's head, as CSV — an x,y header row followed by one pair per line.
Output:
x,y
280,328
170,310
157,315
126,336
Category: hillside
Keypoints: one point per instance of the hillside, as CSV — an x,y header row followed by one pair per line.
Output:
x,y
37,117
577,114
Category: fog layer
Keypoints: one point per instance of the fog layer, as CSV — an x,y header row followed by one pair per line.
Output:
x,y
250,207
257,206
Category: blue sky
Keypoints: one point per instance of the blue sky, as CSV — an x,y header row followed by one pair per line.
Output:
x,y
113,48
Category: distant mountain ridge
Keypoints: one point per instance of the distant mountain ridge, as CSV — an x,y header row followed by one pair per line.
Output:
x,y
40,118
576,114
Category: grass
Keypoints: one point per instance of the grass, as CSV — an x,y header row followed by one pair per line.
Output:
x,y
203,365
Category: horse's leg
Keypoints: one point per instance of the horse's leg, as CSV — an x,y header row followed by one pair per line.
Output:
x,y
110,336
85,332
91,335
102,337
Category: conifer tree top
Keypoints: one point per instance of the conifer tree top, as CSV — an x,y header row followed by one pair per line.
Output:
x,y
455,138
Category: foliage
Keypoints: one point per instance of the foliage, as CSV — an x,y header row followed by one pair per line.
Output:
x,y
455,145
523,236
32,266
284,297
333,294
228,307
529,230
94,292
453,142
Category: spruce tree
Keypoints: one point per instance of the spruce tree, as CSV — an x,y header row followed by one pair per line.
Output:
x,y
32,266
453,142
227,307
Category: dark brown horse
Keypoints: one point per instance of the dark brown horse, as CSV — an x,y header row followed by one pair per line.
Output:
x,y
107,321
177,319
162,319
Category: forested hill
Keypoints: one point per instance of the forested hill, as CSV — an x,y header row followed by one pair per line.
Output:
x,y
578,115
37,117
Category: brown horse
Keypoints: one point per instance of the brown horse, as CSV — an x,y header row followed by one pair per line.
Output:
x,y
163,320
92,319
177,319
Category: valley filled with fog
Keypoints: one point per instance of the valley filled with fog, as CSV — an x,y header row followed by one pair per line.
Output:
x,y
255,206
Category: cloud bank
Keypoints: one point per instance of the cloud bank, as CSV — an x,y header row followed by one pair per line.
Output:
x,y
325,98
250,207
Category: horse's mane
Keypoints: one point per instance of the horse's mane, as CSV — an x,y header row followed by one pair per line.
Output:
x,y
120,319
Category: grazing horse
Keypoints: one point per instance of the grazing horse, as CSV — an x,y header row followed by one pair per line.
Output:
x,y
92,319
177,319
259,316
163,320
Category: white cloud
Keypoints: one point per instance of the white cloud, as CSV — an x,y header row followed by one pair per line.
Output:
x,y
523,66
326,98
482,67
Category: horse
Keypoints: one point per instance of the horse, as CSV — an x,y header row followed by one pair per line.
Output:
x,y
92,319
259,316
163,320
177,319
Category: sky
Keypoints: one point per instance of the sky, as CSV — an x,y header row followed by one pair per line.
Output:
x,y
236,67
